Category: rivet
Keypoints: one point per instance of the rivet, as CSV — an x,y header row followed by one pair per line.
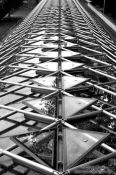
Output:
x,y
85,140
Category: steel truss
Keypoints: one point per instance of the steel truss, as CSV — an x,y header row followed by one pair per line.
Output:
x,y
60,67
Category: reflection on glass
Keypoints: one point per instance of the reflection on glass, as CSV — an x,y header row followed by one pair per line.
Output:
x,y
46,81
40,144
47,107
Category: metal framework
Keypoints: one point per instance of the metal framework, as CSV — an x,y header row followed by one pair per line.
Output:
x,y
57,98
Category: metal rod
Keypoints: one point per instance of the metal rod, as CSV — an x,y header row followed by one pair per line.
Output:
x,y
31,115
86,115
30,164
104,111
29,152
91,163
101,73
41,88
103,89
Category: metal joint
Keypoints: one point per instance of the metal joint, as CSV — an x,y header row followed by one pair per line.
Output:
x,y
66,173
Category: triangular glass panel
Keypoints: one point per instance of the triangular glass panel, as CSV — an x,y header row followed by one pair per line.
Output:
x,y
71,81
35,51
69,53
67,37
19,130
42,106
72,105
78,143
32,51
45,81
67,65
50,45
41,145
51,54
68,44
53,37
37,43
33,61
53,66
